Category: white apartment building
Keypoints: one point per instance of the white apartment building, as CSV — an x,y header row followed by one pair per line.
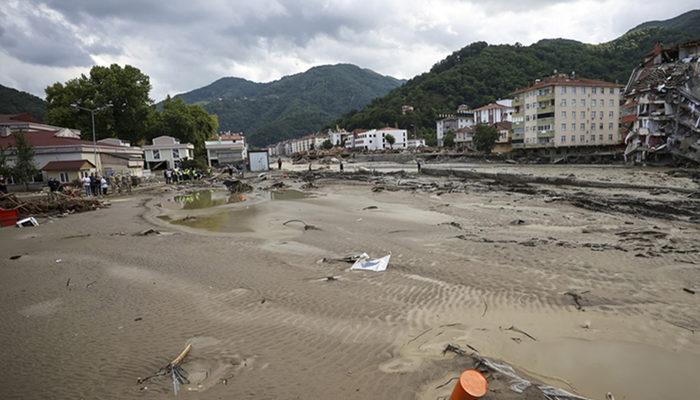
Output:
x,y
167,152
562,111
375,139
228,148
493,113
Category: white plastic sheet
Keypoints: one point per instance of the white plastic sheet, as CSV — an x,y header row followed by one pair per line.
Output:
x,y
364,263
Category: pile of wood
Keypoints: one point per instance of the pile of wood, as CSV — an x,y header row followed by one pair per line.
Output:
x,y
55,203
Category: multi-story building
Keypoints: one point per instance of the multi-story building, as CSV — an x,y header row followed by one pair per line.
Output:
x,y
167,152
452,122
565,111
493,113
375,139
228,148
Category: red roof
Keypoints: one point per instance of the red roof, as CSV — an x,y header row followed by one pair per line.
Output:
x,y
47,139
566,81
22,117
69,165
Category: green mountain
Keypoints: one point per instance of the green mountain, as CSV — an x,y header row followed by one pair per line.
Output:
x,y
481,73
12,101
293,105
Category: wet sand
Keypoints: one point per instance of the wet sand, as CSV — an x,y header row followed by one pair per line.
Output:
x,y
252,297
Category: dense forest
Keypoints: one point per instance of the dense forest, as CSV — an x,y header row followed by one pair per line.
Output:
x,y
481,73
291,106
13,101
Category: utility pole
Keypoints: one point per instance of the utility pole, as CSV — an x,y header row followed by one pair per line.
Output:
x,y
92,115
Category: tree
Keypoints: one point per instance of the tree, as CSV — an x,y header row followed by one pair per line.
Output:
x,y
326,145
485,138
449,139
126,89
189,123
24,169
390,139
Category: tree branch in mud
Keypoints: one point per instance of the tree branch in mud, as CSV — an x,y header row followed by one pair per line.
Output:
x,y
514,329
307,227
577,297
179,375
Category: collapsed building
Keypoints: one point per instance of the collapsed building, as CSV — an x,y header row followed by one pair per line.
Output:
x,y
662,105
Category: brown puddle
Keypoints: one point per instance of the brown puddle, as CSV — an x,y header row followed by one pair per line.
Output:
x,y
233,220
627,370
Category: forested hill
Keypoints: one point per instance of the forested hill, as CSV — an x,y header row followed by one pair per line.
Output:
x,y
12,101
291,106
480,73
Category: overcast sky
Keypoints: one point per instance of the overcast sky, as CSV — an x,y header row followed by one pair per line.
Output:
x,y
186,44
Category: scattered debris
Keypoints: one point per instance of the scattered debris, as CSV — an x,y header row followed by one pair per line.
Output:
x,y
370,208
237,186
76,236
515,329
90,284
178,374
58,203
68,282
307,227
691,291
138,319
26,222
367,264
148,232
452,224
15,257
58,260
577,297
517,222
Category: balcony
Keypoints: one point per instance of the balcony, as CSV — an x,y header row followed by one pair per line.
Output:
x,y
545,134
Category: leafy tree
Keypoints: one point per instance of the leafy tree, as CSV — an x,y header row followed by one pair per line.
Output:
x,y
449,139
485,137
189,123
390,139
326,145
126,89
24,169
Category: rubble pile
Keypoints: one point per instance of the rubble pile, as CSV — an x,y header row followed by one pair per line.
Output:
x,y
57,203
663,105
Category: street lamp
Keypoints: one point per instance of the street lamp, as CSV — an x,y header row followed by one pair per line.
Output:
x,y
92,114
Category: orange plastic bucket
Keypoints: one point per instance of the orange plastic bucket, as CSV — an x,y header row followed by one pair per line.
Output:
x,y
472,385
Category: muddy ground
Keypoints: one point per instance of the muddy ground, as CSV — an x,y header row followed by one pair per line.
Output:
x,y
585,288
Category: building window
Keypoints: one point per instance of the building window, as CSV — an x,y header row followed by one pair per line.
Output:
x,y
610,125
592,114
573,127
562,139
563,127
594,90
610,137
563,90
593,103
573,138
600,137
176,154
573,102
600,126
593,126
600,116
563,114
63,177
583,90
582,126
156,154
610,114
583,102
563,102
592,138
612,102
582,137
612,90
573,90
583,115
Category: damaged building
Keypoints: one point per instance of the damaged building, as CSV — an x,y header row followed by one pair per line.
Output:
x,y
662,105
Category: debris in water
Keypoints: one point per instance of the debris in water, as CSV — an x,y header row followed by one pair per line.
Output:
x,y
178,374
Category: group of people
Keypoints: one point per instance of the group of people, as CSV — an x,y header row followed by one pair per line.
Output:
x,y
178,175
95,185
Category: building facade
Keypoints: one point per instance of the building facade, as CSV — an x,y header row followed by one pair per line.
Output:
x,y
453,122
563,111
375,139
493,113
228,148
166,152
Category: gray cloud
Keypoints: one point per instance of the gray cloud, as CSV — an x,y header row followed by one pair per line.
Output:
x,y
184,44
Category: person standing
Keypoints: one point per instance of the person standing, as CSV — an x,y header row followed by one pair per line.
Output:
x,y
279,163
418,165
86,185
3,184
103,186
341,166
